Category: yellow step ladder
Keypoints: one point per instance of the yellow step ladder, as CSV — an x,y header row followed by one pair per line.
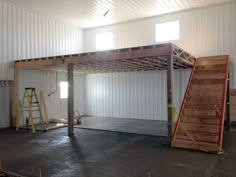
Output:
x,y
33,105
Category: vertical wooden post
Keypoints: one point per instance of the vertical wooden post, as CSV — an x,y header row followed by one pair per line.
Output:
x,y
14,99
228,106
170,79
70,99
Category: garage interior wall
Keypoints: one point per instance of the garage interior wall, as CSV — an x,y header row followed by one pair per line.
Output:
x,y
28,34
203,32
137,95
49,81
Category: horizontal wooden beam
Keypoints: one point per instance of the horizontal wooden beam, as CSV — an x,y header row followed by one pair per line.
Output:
x,y
121,54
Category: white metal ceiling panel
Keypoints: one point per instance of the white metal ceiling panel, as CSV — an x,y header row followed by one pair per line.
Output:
x,y
90,13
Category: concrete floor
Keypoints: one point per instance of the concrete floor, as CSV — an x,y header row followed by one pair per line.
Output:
x,y
92,153
138,126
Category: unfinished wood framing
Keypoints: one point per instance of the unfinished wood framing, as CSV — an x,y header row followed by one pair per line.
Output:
x,y
153,57
70,73
170,98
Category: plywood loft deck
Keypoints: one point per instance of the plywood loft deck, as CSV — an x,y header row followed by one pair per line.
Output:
x,y
152,57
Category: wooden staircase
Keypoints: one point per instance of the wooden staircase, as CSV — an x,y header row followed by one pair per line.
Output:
x,y
201,118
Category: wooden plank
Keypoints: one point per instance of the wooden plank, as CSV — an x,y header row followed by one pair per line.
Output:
x,y
207,81
200,120
213,58
122,54
205,93
209,76
43,104
190,127
207,88
214,71
15,98
210,147
211,67
204,106
199,113
170,90
209,100
70,99
203,137
212,62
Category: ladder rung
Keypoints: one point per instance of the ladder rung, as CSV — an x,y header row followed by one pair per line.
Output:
x,y
36,102
30,88
32,110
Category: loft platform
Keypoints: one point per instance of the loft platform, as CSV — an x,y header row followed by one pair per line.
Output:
x,y
146,58
152,57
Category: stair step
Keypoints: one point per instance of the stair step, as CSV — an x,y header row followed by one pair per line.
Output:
x,y
200,120
209,76
203,137
212,58
198,113
192,105
206,88
207,81
200,99
202,62
210,67
198,128
205,93
212,71
210,147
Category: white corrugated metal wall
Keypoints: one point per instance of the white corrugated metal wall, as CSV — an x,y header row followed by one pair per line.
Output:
x,y
27,34
46,81
138,95
203,31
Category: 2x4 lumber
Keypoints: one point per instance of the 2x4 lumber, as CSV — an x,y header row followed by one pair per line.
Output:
x,y
199,112
207,81
70,99
228,104
203,137
170,90
209,76
43,105
15,98
200,120
125,54
192,127
209,147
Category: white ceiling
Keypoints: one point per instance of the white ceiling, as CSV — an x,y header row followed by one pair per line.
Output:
x,y
89,13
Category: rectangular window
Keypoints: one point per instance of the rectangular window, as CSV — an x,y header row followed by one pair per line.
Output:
x,y
63,90
167,31
104,41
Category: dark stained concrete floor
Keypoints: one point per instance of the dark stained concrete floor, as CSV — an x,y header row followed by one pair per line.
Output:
x,y
138,126
92,153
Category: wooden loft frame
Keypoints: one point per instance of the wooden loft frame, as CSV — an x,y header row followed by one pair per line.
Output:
x,y
153,57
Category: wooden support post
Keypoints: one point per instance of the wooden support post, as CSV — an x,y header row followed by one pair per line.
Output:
x,y
170,80
228,106
70,99
14,99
